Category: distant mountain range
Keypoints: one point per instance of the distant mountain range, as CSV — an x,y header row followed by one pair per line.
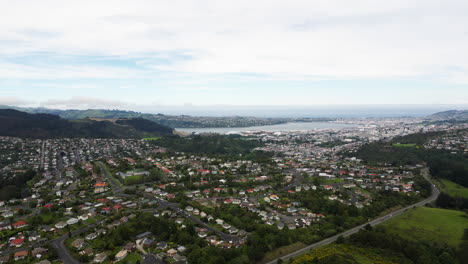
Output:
x,y
174,121
450,115
22,124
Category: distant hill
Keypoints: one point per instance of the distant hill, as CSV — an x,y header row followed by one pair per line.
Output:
x,y
449,115
174,121
22,124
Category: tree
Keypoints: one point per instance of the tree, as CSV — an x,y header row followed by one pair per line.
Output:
x,y
340,240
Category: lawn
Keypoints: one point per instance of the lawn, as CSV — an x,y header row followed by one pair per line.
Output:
x,y
430,224
91,221
282,251
346,253
131,258
47,218
331,181
405,145
151,138
452,188
135,179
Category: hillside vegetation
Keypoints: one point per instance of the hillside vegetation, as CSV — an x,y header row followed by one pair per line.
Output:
x,y
21,124
424,224
408,150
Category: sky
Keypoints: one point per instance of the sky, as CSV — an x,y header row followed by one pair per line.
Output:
x,y
153,54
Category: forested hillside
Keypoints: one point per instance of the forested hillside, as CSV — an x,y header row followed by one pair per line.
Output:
x,y
21,124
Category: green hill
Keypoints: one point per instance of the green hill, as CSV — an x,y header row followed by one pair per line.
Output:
x,y
451,114
21,124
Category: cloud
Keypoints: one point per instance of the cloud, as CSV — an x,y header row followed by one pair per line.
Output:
x,y
365,39
207,44
49,71
79,102
14,101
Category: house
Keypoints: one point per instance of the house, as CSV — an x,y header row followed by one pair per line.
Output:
x,y
78,243
4,259
38,252
99,258
121,255
181,249
130,246
7,214
19,224
83,217
171,252
147,243
179,259
20,255
233,230
143,235
17,242
5,226
87,252
60,225
33,236
91,236
72,221
161,245
100,187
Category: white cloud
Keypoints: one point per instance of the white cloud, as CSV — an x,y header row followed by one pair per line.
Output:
x,y
80,102
12,100
329,39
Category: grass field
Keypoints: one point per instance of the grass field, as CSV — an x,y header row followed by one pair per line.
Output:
x,y
430,224
135,179
282,251
404,145
151,138
452,188
346,252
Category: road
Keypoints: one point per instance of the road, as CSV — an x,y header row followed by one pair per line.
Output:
x,y
116,188
433,197
296,182
42,155
62,251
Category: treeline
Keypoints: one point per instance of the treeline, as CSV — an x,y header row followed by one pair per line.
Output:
x,y
390,248
446,201
402,250
19,124
209,144
442,163
15,186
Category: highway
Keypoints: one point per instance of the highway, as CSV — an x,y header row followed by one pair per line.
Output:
x,y
433,197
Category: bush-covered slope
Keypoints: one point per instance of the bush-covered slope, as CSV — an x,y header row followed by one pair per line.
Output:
x,y
20,124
